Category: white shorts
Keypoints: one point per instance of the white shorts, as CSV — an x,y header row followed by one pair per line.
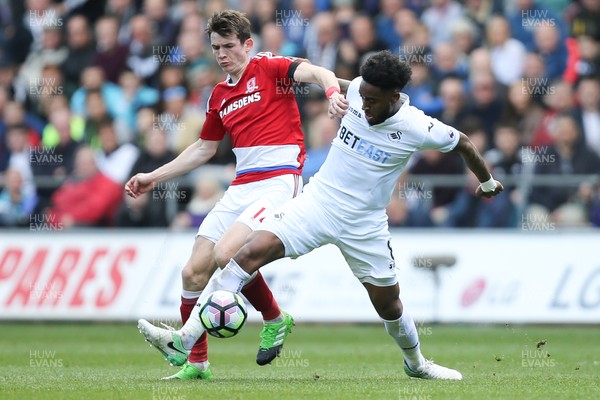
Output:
x,y
304,224
249,204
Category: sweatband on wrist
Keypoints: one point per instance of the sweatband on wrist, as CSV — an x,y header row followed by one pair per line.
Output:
x,y
489,185
331,90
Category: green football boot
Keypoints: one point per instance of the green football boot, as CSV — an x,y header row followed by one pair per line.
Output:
x,y
272,337
190,372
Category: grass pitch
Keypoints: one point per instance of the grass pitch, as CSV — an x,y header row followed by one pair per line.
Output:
x,y
111,361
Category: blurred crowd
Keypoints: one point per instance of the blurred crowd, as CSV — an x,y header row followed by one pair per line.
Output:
x,y
94,91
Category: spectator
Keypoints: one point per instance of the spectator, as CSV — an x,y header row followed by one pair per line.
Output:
x,y
384,23
141,58
362,42
114,160
587,113
96,115
529,16
63,128
112,94
110,55
88,197
122,11
507,54
470,211
80,51
135,96
486,102
141,212
452,93
585,20
562,204
201,81
272,39
20,158
552,49
440,17
480,61
447,63
293,20
478,12
429,211
178,120
51,135
193,49
43,90
465,38
405,25
588,63
15,114
16,205
206,194
320,135
505,159
150,209
473,128
262,13
421,90
322,49
52,53
164,28
558,99
522,111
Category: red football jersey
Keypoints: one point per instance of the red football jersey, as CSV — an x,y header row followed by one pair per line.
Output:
x,y
261,115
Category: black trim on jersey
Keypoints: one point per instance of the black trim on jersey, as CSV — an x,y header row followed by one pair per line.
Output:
x,y
292,68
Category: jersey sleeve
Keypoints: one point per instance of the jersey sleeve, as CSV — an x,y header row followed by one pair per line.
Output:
x,y
281,68
213,125
437,135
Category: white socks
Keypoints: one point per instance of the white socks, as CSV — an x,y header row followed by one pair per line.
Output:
x,y
232,278
190,294
404,332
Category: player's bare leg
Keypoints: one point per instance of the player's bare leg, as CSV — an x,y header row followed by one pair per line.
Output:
x,y
198,269
402,329
277,323
196,275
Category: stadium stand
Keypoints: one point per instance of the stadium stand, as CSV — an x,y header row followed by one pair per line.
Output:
x,y
130,79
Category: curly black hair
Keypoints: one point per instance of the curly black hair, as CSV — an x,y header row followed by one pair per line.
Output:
x,y
386,71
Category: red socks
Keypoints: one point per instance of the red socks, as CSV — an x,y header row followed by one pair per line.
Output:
x,y
199,352
260,296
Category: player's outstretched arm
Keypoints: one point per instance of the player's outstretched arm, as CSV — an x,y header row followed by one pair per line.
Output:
x,y
488,186
309,73
192,157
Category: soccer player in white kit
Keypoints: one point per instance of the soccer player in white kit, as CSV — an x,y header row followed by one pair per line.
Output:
x,y
344,203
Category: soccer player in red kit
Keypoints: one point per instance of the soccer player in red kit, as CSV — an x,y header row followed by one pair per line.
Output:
x,y
253,106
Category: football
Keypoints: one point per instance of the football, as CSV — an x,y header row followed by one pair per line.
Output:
x,y
223,314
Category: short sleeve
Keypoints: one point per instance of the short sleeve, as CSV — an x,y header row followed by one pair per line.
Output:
x,y
213,125
438,136
279,67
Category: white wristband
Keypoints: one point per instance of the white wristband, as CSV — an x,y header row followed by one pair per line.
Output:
x,y
488,186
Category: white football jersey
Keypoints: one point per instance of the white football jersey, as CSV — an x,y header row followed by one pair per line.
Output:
x,y
365,162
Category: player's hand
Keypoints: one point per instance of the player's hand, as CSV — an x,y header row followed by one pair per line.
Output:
x,y
481,193
138,184
338,105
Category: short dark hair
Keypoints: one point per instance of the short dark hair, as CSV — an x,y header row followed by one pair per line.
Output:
x,y
106,122
19,126
386,71
229,22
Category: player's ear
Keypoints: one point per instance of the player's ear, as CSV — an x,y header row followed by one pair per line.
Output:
x,y
248,44
395,97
